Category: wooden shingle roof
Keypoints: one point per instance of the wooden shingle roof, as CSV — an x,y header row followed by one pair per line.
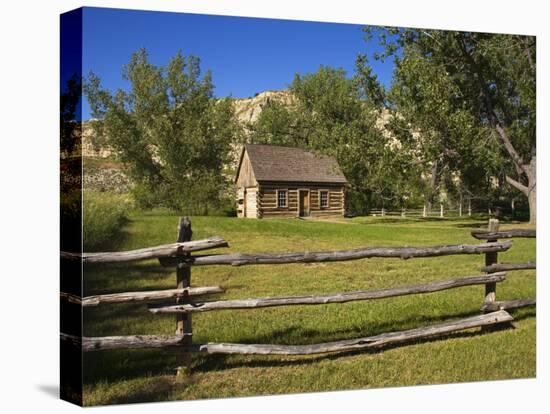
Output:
x,y
274,163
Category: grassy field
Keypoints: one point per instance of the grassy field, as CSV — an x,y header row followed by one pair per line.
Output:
x,y
147,375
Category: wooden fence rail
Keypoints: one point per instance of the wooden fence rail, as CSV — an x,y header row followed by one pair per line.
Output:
x,y
509,304
148,296
329,298
505,234
239,259
501,267
104,343
165,250
179,256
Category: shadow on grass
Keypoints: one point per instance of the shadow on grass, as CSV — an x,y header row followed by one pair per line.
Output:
x,y
99,278
149,390
127,364
521,314
292,334
400,220
471,225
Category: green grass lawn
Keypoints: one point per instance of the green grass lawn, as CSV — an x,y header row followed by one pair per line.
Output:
x,y
147,375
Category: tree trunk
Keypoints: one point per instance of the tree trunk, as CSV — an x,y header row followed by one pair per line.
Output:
x,y
532,197
529,190
434,186
427,208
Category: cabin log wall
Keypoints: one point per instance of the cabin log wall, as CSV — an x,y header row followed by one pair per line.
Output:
x,y
267,199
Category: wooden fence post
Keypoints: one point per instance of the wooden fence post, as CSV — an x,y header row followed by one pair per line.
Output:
x,y
441,210
491,258
469,207
424,211
183,321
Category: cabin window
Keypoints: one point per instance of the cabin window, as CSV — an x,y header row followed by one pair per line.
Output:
x,y
323,199
281,198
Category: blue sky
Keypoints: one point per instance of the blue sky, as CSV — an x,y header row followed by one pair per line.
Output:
x,y
245,55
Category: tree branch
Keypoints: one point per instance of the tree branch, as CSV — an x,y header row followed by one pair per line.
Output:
x,y
516,158
517,185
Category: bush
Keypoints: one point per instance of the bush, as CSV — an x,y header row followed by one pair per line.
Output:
x,y
225,207
104,214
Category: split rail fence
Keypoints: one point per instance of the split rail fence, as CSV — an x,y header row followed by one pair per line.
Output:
x,y
179,255
492,235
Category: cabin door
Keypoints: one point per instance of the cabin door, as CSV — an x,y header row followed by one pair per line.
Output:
x,y
303,203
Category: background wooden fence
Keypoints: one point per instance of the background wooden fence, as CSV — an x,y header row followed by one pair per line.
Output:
x,y
441,210
179,255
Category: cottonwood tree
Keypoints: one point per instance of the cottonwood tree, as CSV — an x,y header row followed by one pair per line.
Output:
x,y
174,136
486,82
442,137
335,115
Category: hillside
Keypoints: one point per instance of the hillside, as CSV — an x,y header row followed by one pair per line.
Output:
x,y
248,110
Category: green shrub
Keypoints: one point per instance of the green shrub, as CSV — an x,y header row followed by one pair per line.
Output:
x,y
225,207
104,214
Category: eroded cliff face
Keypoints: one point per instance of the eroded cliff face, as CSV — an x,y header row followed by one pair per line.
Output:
x,y
90,147
247,110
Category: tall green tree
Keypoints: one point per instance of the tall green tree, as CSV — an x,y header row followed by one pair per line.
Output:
x,y
427,117
168,128
474,95
338,116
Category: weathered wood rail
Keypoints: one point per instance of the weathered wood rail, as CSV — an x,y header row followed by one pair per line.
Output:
x,y
509,304
504,234
239,259
148,296
502,267
330,298
166,250
104,343
178,255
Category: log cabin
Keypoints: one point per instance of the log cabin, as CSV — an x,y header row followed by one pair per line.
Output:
x,y
277,182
